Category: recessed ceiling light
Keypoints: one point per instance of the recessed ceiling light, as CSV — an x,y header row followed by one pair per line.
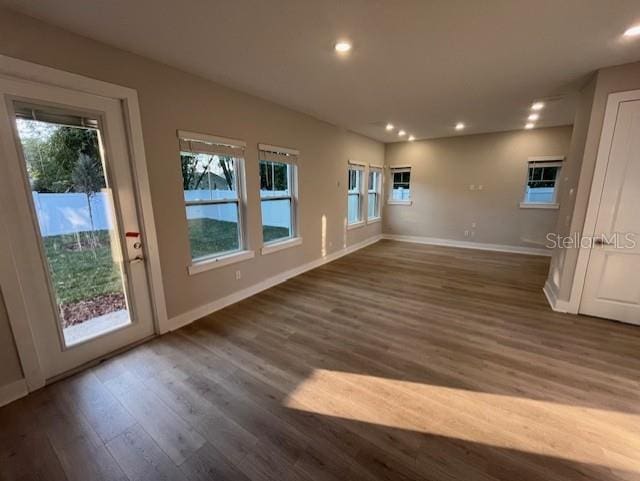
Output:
x,y
343,46
537,106
411,138
529,126
402,133
533,117
389,127
459,126
632,31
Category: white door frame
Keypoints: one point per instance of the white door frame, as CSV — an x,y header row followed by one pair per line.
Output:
x,y
15,298
595,196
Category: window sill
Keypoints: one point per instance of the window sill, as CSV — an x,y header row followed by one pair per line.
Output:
x,y
374,220
533,205
356,225
225,260
280,245
399,202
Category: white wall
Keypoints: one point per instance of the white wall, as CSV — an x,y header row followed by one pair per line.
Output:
x,y
443,171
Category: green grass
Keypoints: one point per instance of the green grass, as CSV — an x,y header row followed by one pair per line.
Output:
x,y
271,233
209,236
84,274
81,274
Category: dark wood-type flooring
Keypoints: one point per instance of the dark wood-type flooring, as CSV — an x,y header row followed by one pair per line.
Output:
x,y
398,362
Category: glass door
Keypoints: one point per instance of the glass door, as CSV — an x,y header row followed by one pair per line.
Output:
x,y
86,277
77,224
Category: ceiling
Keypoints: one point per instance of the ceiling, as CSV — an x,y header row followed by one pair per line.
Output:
x,y
422,65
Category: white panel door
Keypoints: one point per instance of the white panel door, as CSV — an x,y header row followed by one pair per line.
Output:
x,y
68,196
612,283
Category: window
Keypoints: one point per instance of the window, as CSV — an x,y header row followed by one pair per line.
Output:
x,y
354,194
375,188
278,193
541,188
212,182
400,188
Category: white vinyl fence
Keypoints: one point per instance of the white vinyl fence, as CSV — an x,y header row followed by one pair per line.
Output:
x,y
274,213
401,194
69,213
542,195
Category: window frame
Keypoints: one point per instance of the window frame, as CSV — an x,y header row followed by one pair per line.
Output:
x,y
359,169
377,191
551,161
219,259
289,157
398,170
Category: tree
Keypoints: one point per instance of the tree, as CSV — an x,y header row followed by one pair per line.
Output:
x,y
52,155
189,163
193,172
225,164
87,178
273,175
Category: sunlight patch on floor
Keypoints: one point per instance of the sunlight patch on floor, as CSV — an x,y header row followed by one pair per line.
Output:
x,y
509,422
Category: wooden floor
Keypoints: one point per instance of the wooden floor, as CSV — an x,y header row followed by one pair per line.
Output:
x,y
398,362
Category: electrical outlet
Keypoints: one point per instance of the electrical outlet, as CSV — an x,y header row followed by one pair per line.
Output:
x,y
472,187
473,224
466,233
238,275
480,187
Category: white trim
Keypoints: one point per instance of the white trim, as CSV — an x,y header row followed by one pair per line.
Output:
x,y
538,205
536,251
202,311
279,150
399,202
280,245
597,186
133,123
374,220
21,69
544,163
211,139
556,304
375,166
355,165
546,158
12,391
203,265
16,309
356,225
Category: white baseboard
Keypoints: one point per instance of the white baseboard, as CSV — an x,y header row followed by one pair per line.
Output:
x,y
556,304
202,311
469,245
11,392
